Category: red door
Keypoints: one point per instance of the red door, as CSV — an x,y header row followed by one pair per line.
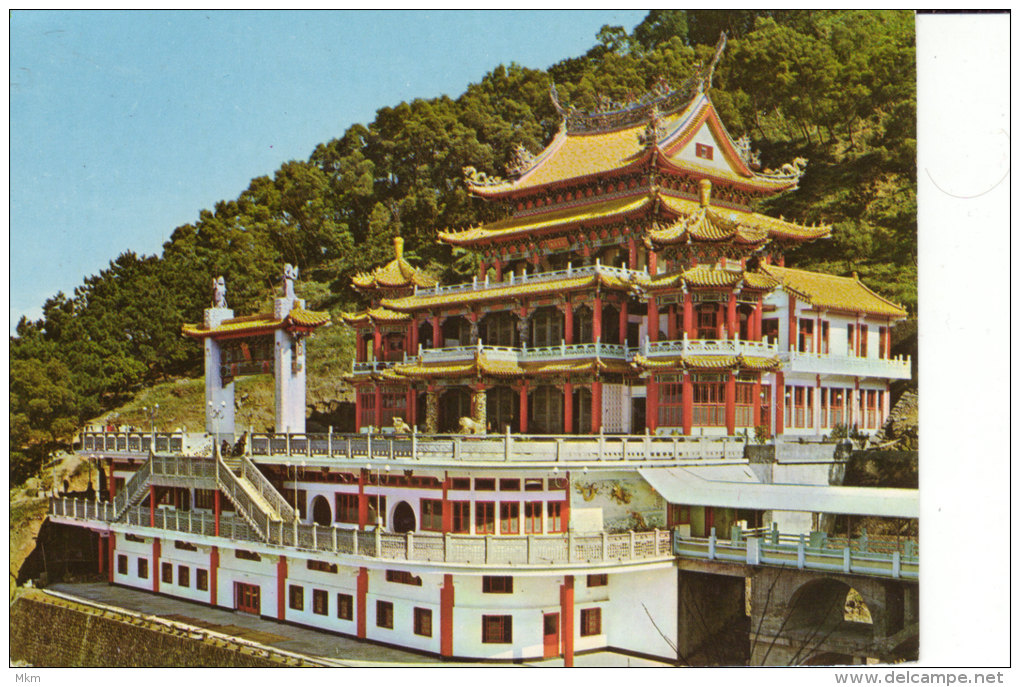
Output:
x,y
246,598
551,635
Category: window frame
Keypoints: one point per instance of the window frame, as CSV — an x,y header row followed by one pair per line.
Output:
x,y
384,614
295,597
423,621
497,584
497,629
183,576
591,621
201,579
320,600
344,606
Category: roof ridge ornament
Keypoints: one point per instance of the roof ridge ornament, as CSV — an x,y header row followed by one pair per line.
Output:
x,y
791,171
709,71
751,159
522,160
475,177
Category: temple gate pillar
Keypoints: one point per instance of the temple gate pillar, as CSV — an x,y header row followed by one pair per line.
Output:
x,y
362,500
567,619
689,316
568,323
568,408
653,319
446,600
596,319
756,402
219,397
652,404
437,341
156,572
378,407
214,567
632,257
623,322
431,410
522,326
731,316
523,411
757,319
473,328
362,610
412,337
377,352
596,406
281,588
780,403
652,263
687,404
731,403
499,270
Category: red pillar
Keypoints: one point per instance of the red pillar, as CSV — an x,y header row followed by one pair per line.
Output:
x,y
652,404
216,513
731,316
281,588
110,548
482,269
780,402
155,564
623,322
101,555
524,408
357,409
653,319
152,505
362,602
437,341
596,407
731,403
378,406
568,408
792,316
687,404
410,407
596,319
568,323
361,350
756,402
362,501
214,570
689,316
447,508
499,270
446,617
631,253
757,319
412,337
567,619
377,343
652,266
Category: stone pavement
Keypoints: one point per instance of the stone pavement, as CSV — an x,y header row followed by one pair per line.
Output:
x,y
343,650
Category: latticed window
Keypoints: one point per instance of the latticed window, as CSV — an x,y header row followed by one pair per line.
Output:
x,y
366,400
183,576
509,518
591,622
744,404
345,606
546,327
806,336
432,515
485,517
167,573
423,622
394,404
320,602
122,564
347,508
598,580
143,568
582,325
555,512
533,517
547,410
709,401
461,516
497,629
202,580
671,391
497,584
296,595
384,614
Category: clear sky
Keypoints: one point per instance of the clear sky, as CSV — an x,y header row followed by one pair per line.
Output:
x,y
125,124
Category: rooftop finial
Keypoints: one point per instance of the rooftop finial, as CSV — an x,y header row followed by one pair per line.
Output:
x,y
398,247
705,186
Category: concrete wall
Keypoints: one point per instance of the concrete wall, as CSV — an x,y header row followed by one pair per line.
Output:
x,y
625,620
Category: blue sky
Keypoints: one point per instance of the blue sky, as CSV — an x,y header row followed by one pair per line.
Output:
x,y
125,124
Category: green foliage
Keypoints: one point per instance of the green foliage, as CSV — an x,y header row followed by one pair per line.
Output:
x,y
836,87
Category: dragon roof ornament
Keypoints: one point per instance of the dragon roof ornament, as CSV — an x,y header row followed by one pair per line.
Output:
x,y
791,171
521,162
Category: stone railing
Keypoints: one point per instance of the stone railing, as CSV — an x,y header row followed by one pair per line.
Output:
x,y
534,550
184,468
827,363
570,272
523,354
372,366
265,489
133,490
246,507
500,448
878,557
132,442
687,346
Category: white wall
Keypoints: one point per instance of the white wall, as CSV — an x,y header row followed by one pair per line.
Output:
x,y
625,621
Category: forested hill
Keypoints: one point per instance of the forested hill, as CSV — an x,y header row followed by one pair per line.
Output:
x,y
837,88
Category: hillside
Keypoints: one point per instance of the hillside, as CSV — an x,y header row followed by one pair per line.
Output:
x,y
835,87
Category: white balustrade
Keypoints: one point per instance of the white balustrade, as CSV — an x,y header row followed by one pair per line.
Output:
x,y
827,363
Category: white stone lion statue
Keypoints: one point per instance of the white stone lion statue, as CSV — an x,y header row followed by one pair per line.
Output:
x,y
400,427
219,289
471,426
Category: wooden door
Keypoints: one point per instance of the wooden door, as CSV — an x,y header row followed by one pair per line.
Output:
x,y
247,598
551,635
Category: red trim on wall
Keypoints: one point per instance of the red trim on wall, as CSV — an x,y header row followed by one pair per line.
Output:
x,y
779,404
362,602
567,620
446,598
281,588
214,567
362,501
155,564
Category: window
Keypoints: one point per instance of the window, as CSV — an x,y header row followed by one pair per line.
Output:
x,y
205,498
591,621
824,334
703,151
384,614
432,515
806,336
297,597
461,516
321,566
376,509
509,518
708,321
460,484
497,629
599,580
183,576
509,485
185,546
167,573
533,517
864,340
497,584
770,330
345,606
485,517
677,515
485,484
320,602
347,508
246,555
709,402
851,340
122,564
744,404
402,577
423,622
533,484
671,402
134,538
554,511
201,580
143,568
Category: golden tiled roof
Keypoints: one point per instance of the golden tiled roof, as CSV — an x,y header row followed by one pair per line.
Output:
x,y
257,324
514,226
708,276
707,362
397,273
832,292
502,292
484,365
375,315
700,221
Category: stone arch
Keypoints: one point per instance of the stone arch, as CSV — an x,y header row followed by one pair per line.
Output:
x,y
403,518
322,514
454,403
823,606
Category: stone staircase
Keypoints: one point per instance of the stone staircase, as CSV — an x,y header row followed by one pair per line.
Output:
x,y
263,496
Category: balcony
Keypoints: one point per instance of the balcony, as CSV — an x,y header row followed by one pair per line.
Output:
x,y
569,273
524,354
537,551
685,346
371,366
851,366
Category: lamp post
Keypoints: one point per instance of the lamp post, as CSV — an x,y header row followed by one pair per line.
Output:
x,y
151,414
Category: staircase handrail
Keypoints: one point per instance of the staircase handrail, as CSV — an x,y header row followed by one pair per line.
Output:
x,y
134,489
227,482
266,489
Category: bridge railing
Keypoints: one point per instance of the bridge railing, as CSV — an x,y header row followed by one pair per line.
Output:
x,y
132,442
811,552
501,447
537,550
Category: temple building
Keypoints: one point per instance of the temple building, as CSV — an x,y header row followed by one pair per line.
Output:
x,y
533,447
